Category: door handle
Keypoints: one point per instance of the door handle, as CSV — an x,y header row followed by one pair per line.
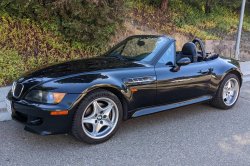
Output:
x,y
204,71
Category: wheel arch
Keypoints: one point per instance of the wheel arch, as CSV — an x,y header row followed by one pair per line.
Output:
x,y
235,72
216,100
116,91
121,98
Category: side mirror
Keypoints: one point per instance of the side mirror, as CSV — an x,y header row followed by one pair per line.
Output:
x,y
183,61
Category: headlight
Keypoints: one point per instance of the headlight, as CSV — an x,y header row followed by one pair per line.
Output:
x,y
45,97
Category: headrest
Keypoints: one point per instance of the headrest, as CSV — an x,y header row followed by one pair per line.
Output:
x,y
189,49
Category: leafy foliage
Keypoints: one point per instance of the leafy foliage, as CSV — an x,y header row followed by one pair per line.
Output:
x,y
11,66
90,22
37,32
23,46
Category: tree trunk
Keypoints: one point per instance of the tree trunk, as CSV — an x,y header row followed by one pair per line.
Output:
x,y
164,5
208,6
239,10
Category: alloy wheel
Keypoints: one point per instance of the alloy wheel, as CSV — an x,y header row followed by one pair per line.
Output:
x,y
230,91
100,118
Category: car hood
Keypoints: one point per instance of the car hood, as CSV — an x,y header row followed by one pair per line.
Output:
x,y
55,71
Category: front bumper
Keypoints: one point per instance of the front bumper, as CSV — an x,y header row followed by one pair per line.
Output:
x,y
37,118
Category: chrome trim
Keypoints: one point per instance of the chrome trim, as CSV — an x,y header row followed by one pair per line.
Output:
x,y
13,87
139,80
169,106
13,92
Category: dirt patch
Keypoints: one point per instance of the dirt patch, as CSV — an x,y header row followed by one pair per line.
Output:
x,y
225,47
132,29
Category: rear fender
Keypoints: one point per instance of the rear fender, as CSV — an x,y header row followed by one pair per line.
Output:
x,y
220,68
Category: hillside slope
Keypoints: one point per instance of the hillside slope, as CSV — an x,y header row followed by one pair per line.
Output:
x,y
24,45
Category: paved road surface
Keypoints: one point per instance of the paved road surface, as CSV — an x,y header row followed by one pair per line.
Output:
x,y
193,135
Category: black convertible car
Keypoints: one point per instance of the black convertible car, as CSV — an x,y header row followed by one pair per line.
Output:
x,y
139,76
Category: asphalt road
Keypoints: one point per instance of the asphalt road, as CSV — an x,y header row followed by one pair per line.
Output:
x,y
192,135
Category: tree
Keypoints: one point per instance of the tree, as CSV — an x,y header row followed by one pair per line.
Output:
x,y
164,5
208,6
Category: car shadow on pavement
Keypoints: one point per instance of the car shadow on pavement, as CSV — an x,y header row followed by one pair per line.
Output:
x,y
129,128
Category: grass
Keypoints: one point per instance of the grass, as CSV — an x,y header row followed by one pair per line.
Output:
x,y
188,19
24,45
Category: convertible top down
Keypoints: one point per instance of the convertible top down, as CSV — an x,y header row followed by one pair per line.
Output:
x,y
139,76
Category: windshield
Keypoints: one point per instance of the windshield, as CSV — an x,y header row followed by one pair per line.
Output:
x,y
137,48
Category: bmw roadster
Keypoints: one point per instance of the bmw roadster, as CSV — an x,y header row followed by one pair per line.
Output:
x,y
139,76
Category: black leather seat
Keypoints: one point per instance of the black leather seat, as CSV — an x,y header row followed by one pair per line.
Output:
x,y
189,50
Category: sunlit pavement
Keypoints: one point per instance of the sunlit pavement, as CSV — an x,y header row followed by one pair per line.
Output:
x,y
192,135
245,68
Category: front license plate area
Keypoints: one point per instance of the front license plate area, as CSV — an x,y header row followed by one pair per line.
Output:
x,y
8,105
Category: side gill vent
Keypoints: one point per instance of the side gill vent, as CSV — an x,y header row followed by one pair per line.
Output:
x,y
140,80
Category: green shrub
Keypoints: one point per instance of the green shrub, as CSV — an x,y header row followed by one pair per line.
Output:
x,y
11,66
75,20
24,46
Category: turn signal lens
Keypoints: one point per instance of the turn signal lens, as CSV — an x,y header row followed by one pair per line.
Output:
x,y
59,113
45,97
133,90
58,97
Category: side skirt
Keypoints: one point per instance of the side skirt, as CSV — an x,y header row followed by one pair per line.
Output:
x,y
170,106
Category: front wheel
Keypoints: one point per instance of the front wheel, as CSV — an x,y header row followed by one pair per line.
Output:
x,y
97,117
228,93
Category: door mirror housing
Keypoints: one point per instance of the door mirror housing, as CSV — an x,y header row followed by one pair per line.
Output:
x,y
183,61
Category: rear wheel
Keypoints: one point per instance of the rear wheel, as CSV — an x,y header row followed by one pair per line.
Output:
x,y
97,117
228,93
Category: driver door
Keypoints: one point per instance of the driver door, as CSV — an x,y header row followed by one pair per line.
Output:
x,y
190,82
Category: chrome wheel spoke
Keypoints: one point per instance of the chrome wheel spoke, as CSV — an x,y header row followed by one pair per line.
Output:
x,y
108,109
89,119
97,108
224,96
226,86
229,85
107,122
232,85
96,128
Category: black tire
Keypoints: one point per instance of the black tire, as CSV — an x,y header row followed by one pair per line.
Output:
x,y
78,128
218,101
